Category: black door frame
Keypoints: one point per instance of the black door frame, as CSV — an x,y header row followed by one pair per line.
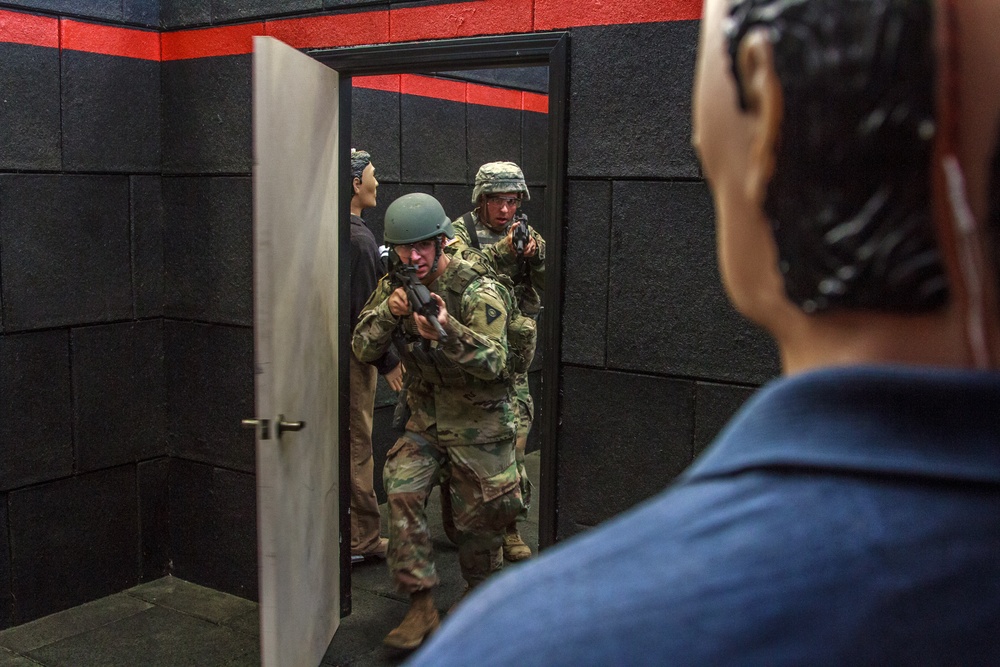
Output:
x,y
551,49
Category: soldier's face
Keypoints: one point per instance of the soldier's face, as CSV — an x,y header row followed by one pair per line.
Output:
x,y
420,255
499,209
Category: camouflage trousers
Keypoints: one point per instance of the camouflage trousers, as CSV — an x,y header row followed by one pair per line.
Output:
x,y
484,495
525,414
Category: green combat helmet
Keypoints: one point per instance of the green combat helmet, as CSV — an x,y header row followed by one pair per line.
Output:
x,y
415,217
495,177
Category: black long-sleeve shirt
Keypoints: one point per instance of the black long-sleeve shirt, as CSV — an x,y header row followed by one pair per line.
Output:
x,y
366,269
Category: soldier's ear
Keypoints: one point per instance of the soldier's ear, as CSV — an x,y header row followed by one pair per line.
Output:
x,y
765,106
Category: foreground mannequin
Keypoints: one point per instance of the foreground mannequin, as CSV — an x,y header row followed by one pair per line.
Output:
x,y
850,513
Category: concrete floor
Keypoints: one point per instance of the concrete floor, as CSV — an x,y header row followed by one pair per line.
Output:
x,y
170,622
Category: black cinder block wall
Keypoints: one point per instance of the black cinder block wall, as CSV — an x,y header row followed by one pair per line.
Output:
x,y
82,386
126,346
654,359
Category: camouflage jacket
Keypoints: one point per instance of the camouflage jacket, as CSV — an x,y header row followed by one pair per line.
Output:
x,y
505,262
460,387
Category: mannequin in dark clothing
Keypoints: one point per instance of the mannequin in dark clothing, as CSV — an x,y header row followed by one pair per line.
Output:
x,y
366,269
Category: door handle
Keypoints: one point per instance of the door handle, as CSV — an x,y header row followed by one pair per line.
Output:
x,y
288,426
265,430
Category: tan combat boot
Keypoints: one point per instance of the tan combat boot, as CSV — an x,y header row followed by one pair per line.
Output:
x,y
421,620
514,548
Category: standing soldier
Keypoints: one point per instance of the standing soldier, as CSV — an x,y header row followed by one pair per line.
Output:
x,y
490,227
462,416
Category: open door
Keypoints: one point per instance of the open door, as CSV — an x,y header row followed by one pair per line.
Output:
x,y
296,247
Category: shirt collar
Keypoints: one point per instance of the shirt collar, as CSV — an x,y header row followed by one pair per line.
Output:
x,y
908,421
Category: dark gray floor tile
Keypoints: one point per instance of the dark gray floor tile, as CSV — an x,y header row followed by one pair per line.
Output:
x,y
192,599
72,622
8,659
248,623
157,637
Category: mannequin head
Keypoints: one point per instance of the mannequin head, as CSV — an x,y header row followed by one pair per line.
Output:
x,y
364,185
823,127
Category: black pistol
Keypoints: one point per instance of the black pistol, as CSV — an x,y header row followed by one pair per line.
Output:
x,y
420,297
521,234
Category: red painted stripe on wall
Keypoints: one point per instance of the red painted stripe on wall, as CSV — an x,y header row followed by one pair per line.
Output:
x,y
387,82
19,28
464,19
428,86
490,96
554,14
536,102
443,89
332,31
109,40
231,40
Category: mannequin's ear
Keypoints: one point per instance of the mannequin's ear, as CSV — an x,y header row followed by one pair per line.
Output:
x,y
355,186
765,106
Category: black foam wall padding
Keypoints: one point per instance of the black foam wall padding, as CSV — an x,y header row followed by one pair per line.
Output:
x,y
667,311
118,393
433,139
375,128
535,147
7,600
213,534
95,9
456,199
64,250
154,518
209,387
110,113
534,79
207,115
36,437
631,101
716,405
29,114
494,134
182,13
231,10
625,437
337,4
89,556
585,304
146,210
208,252
142,12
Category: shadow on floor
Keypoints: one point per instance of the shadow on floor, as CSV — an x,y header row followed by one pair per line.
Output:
x,y
171,622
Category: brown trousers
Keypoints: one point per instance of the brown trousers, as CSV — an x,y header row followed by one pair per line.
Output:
x,y
365,520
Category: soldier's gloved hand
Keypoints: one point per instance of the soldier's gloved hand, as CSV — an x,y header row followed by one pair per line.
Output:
x,y
425,328
399,305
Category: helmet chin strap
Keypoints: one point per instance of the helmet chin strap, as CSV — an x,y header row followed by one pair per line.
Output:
x,y
437,255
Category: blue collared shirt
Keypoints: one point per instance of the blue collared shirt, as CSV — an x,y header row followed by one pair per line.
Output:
x,y
844,516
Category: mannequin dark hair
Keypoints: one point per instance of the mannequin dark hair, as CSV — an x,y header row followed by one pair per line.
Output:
x,y
850,197
359,161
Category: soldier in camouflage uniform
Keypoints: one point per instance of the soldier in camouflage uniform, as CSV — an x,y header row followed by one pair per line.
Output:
x,y
462,414
497,194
